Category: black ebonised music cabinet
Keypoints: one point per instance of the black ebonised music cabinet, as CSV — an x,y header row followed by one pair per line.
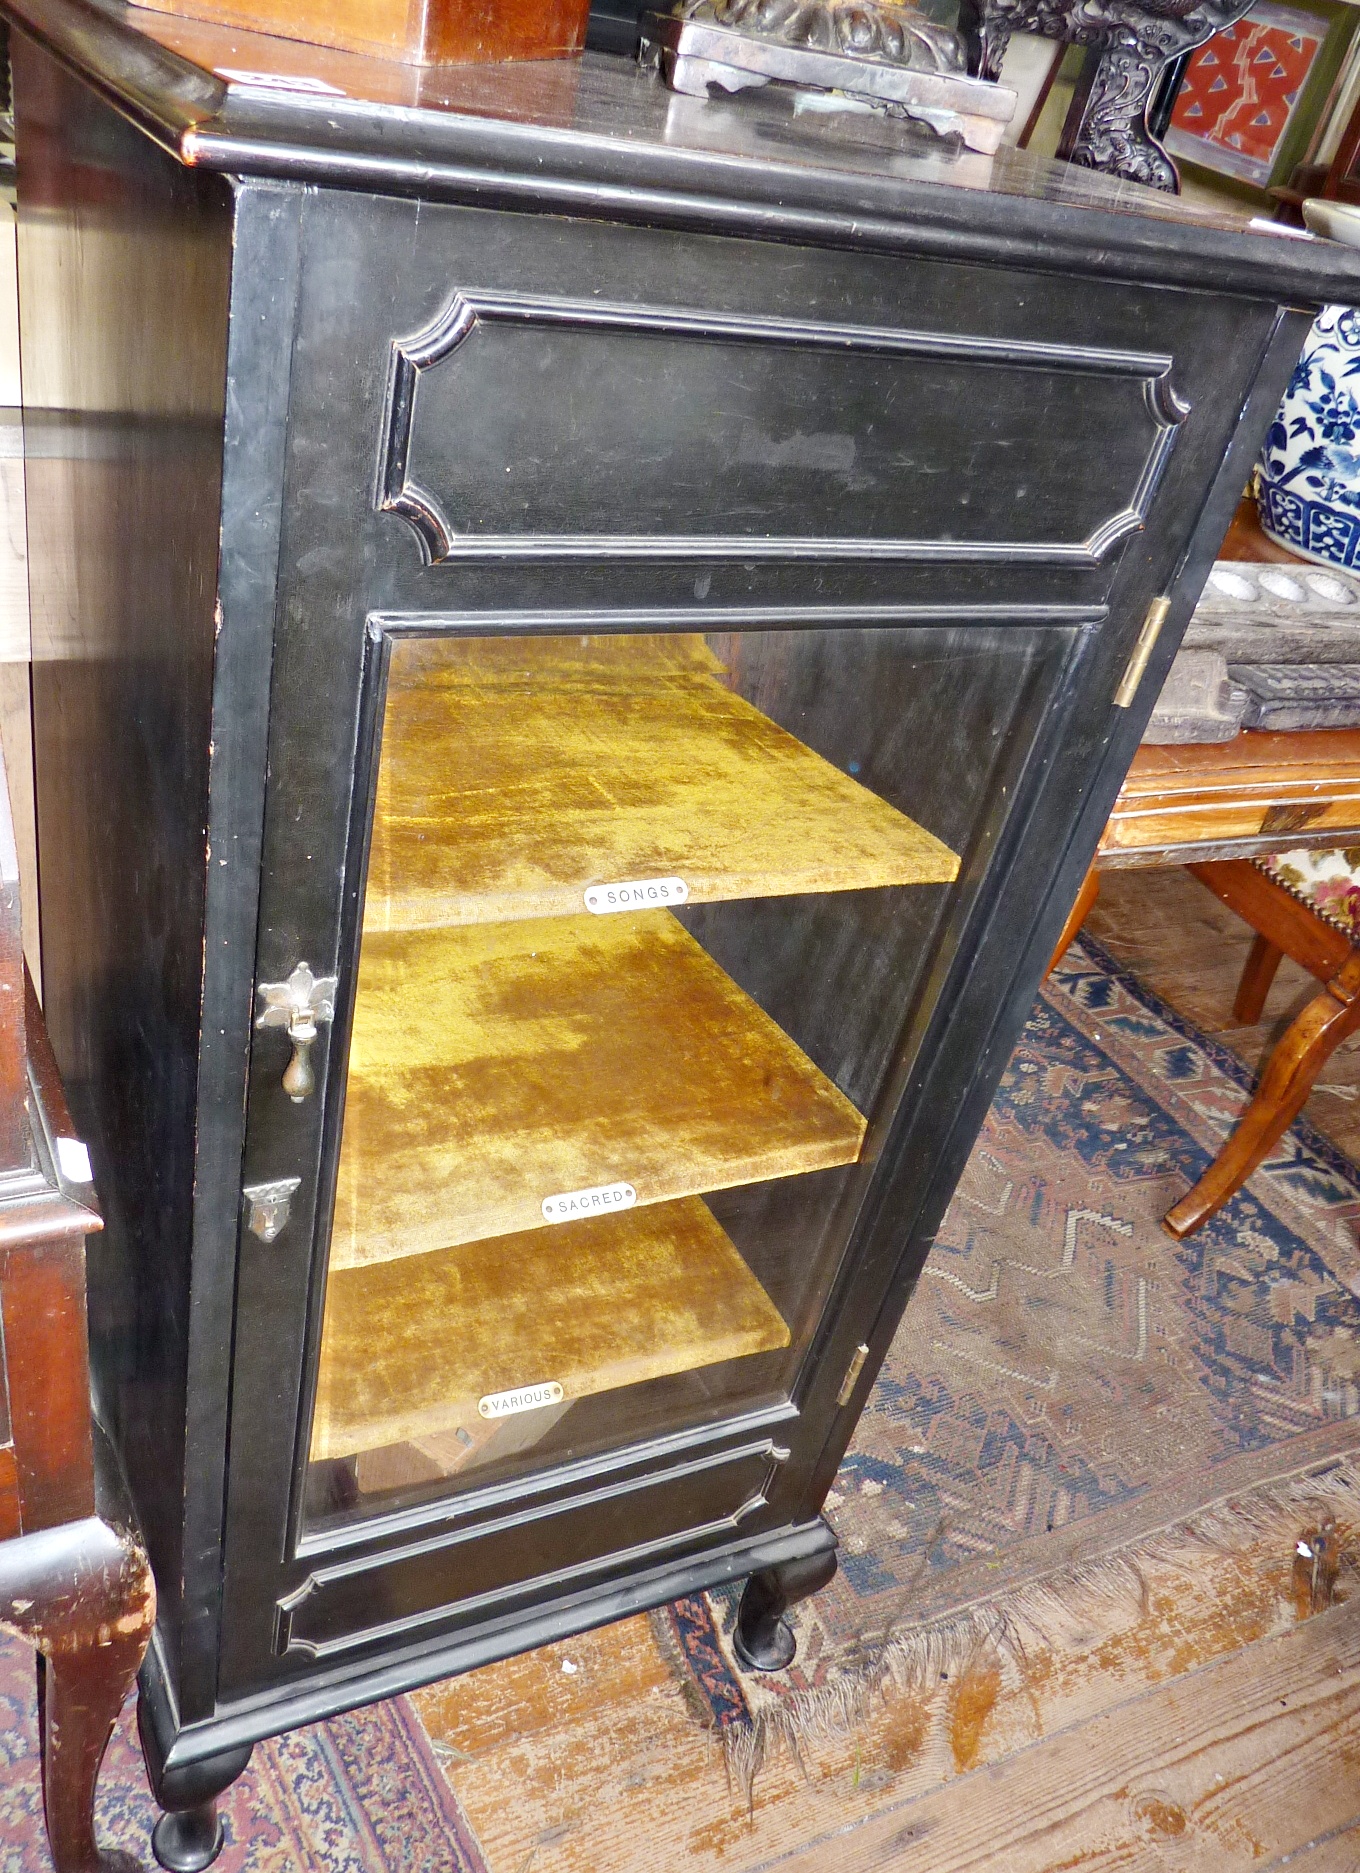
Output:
x,y
583,643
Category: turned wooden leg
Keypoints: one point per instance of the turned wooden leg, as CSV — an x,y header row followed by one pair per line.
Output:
x,y
1288,1079
188,1839
1257,977
764,1640
1076,917
189,1835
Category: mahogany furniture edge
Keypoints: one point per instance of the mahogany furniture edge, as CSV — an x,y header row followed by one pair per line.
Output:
x,y
75,1581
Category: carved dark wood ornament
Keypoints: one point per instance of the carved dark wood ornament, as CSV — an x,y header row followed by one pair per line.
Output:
x,y
427,470
1135,38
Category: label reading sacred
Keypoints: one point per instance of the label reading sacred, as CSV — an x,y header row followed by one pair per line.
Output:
x,y
523,1398
571,1205
635,894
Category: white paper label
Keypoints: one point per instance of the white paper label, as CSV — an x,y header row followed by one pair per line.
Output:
x,y
277,81
73,1160
635,894
572,1205
523,1398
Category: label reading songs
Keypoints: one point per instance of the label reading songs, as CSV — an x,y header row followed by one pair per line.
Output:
x,y
598,1201
635,894
523,1398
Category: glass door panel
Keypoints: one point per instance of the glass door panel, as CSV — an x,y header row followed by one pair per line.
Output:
x,y
645,922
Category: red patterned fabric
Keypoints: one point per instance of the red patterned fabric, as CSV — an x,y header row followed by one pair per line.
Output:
x,y
1241,86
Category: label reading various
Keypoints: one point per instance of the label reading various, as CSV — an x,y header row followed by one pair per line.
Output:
x,y
598,1201
277,81
635,894
523,1398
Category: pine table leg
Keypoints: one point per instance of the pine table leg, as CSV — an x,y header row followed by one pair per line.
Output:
x,y
1257,976
1076,917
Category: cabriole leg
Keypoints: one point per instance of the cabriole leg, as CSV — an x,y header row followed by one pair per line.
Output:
x,y
1300,1054
80,1694
82,1595
764,1640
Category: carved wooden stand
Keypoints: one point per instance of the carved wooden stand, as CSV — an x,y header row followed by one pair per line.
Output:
x,y
1135,40
74,1579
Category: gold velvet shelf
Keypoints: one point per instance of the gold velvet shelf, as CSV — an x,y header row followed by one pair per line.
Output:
x,y
409,1350
496,1065
517,772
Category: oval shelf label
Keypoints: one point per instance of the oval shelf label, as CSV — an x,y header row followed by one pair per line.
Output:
x,y
635,894
522,1398
599,1200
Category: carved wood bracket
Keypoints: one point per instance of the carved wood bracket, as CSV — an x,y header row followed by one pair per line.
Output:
x,y
1107,128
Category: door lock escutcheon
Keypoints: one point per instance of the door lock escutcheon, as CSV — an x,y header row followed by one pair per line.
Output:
x,y
301,1004
267,1206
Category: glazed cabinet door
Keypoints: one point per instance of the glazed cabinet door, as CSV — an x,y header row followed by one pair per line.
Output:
x,y
647,931
644,921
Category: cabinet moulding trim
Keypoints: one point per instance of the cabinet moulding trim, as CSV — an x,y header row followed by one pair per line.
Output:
x,y
396,492
292,1643
709,1441
252,1715
599,621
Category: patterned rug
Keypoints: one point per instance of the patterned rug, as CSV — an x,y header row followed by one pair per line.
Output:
x,y
1072,1394
360,1794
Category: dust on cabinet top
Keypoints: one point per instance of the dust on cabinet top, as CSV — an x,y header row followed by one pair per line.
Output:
x,y
599,136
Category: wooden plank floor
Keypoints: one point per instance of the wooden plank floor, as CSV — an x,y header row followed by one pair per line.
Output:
x,y
1339,1854
1194,1726
1218,1769
1202,1698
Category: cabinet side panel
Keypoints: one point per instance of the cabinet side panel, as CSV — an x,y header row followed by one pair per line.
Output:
x,y
124,274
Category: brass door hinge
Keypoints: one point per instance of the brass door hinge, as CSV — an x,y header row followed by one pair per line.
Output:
x,y
852,1372
1142,650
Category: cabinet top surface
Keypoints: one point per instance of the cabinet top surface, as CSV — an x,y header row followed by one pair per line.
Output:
x,y
598,135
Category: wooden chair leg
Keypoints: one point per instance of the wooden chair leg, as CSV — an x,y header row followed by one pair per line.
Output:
x,y
83,1596
1076,917
1305,1046
80,1694
1257,977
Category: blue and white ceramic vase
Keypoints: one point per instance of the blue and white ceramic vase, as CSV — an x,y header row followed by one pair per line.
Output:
x,y
1308,478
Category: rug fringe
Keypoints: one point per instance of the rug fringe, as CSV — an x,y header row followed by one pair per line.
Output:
x,y
1014,1623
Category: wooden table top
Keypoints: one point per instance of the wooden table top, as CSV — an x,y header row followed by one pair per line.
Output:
x,y
1263,791
1259,792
